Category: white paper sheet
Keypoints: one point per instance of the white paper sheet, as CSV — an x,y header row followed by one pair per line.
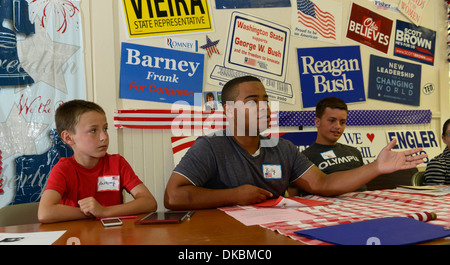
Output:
x,y
268,215
36,238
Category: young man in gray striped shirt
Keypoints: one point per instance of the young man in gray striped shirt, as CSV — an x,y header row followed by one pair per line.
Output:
x,y
438,169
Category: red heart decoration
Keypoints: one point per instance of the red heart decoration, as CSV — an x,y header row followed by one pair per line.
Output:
x,y
371,136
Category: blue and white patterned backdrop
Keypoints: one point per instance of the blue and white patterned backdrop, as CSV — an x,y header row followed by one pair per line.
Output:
x,y
359,117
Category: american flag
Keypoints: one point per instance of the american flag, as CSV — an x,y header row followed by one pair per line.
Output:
x,y
310,15
169,119
250,61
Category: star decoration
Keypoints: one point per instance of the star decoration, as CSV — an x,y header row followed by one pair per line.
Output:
x,y
18,134
45,60
210,46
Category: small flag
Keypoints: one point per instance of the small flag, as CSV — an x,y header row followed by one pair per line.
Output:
x,y
250,61
310,15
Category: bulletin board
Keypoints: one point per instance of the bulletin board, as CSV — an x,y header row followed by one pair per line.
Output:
x,y
376,55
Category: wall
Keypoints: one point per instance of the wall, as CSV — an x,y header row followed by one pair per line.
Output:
x,y
149,151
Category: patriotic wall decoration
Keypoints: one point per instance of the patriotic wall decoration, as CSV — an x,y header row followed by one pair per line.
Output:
x,y
359,117
33,170
180,145
317,20
210,46
49,60
174,119
169,119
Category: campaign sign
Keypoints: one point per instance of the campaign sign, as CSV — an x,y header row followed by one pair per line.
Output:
x,y
231,4
413,9
368,142
330,71
260,48
394,81
369,28
158,74
414,42
158,18
300,139
257,46
428,140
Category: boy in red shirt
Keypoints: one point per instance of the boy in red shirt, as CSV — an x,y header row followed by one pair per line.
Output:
x,y
90,183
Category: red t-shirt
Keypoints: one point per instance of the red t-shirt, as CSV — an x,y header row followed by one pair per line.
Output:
x,y
105,181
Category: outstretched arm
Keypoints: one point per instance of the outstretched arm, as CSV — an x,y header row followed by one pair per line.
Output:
x,y
389,161
316,182
182,195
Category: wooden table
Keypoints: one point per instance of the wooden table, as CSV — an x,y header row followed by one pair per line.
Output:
x,y
205,227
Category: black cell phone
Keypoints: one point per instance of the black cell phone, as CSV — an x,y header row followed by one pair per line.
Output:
x,y
174,217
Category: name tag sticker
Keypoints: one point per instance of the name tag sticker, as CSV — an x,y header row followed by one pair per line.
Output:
x,y
108,183
328,154
272,171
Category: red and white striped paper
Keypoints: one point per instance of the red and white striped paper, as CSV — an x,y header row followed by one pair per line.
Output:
x,y
174,119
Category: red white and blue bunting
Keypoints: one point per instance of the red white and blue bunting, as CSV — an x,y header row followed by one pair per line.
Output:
x,y
167,119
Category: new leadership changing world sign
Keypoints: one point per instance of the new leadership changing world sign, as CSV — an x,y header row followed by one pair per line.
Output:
x,y
394,81
330,71
162,75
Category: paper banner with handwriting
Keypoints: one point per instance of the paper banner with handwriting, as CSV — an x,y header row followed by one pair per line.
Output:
x,y
413,9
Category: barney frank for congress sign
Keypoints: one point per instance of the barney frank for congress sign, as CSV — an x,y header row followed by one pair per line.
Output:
x,y
158,74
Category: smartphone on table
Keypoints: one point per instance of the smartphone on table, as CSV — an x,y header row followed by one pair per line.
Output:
x,y
111,221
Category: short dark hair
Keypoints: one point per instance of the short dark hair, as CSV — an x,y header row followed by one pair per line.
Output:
x,y
329,102
229,92
444,128
68,114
